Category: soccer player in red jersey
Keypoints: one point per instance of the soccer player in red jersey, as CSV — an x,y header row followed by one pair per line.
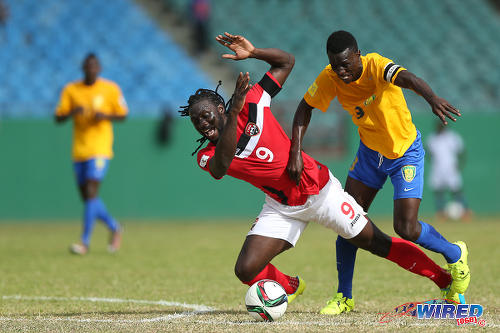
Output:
x,y
247,142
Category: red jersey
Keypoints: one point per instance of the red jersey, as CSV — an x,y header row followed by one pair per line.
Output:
x,y
263,148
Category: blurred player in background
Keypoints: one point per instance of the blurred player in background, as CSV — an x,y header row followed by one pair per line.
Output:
x,y
369,88
447,155
93,103
247,142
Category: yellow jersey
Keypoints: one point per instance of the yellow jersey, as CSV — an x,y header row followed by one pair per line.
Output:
x,y
91,138
376,105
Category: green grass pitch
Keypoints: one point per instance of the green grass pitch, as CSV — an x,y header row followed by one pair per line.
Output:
x,y
177,276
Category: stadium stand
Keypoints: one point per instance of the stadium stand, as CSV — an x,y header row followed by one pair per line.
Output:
x,y
453,46
47,40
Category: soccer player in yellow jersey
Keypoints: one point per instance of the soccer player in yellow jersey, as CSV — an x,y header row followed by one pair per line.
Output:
x,y
369,88
93,103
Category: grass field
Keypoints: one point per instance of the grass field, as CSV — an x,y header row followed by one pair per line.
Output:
x,y
179,277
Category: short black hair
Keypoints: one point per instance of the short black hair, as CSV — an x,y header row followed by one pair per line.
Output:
x,y
341,40
90,55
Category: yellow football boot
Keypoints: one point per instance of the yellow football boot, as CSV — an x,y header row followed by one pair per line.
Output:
x,y
337,305
460,272
300,289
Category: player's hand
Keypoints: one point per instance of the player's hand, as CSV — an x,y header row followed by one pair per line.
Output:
x,y
238,44
240,92
442,109
99,116
295,166
76,110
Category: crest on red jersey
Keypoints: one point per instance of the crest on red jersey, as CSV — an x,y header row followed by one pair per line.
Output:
x,y
252,129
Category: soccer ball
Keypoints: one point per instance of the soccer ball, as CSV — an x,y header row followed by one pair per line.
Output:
x,y
266,300
454,210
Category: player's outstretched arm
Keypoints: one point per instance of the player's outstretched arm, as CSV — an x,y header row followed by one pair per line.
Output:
x,y
281,62
226,145
440,107
300,122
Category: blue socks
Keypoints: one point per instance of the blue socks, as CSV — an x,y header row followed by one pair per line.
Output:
x,y
95,208
103,215
89,216
432,240
346,256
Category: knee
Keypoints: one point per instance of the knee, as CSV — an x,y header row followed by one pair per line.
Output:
x,y
90,189
244,271
407,228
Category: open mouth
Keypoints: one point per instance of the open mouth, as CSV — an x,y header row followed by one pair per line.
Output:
x,y
345,78
208,133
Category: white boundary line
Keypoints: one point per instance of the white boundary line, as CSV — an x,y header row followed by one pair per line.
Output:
x,y
197,309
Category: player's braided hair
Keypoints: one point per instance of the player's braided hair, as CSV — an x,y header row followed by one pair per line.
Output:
x,y
201,94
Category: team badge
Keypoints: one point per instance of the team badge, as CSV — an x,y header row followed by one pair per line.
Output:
x,y
100,163
409,172
312,89
369,100
97,102
204,160
252,129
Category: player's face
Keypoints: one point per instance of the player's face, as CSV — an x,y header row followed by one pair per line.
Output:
x,y
91,68
346,64
208,119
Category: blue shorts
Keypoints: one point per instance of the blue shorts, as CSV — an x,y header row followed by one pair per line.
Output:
x,y
406,172
94,169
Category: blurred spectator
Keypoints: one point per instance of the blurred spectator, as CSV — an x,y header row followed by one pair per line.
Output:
x,y
447,154
164,129
200,16
93,103
4,16
4,13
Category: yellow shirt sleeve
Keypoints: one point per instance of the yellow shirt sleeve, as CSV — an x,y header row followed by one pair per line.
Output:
x,y
322,91
65,102
119,105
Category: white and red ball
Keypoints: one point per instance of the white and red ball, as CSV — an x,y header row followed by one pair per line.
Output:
x,y
266,300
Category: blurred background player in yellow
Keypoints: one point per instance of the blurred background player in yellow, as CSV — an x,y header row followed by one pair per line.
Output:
x,y
93,103
369,88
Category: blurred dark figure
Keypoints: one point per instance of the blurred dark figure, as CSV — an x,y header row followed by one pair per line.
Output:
x,y
200,16
4,16
496,4
164,129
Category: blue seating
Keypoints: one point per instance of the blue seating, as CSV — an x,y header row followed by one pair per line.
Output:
x,y
438,40
47,41
454,46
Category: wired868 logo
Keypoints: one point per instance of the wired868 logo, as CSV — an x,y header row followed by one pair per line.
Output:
x,y
438,309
